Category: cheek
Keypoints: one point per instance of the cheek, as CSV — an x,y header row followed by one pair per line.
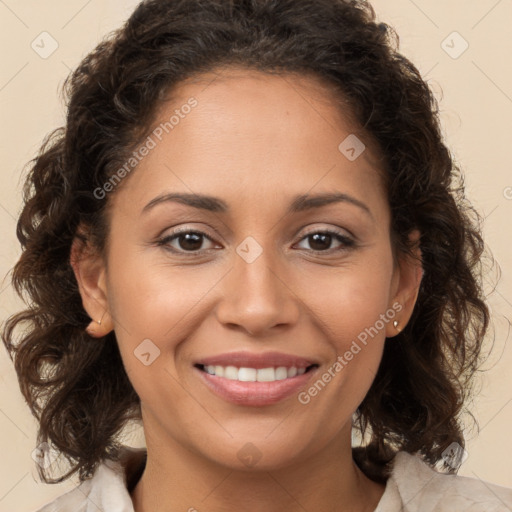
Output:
x,y
153,299
351,307
347,301
148,295
155,306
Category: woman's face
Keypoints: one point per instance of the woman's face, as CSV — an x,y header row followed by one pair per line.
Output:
x,y
299,291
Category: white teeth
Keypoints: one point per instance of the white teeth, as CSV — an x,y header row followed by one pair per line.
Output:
x,y
231,372
281,373
266,375
245,374
292,371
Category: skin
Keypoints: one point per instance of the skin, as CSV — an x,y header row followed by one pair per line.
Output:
x,y
255,141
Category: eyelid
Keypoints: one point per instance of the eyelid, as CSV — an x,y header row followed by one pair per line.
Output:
x,y
173,231
334,230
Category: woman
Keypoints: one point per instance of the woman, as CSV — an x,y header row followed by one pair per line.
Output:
x,y
249,236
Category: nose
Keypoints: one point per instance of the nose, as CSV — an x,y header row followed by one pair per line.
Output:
x,y
258,297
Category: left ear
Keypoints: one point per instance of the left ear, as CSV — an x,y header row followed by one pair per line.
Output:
x,y
406,285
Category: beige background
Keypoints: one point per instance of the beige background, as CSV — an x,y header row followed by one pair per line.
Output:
x,y
475,91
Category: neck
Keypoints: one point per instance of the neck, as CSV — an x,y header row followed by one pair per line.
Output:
x,y
176,479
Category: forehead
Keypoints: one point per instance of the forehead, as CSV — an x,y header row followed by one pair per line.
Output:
x,y
260,103
250,132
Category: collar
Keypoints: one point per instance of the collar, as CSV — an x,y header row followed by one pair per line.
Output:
x,y
413,485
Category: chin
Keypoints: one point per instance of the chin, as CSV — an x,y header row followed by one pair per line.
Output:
x,y
257,453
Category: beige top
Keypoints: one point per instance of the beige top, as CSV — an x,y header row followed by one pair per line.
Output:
x,y
413,486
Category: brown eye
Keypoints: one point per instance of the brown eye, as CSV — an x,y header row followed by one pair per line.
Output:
x,y
321,241
190,241
185,241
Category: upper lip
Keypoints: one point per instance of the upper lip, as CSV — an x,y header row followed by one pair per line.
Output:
x,y
256,360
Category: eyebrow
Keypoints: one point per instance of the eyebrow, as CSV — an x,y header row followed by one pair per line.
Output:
x,y
299,203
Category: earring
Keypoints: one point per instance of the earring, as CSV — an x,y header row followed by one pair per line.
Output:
x,y
101,319
94,328
395,325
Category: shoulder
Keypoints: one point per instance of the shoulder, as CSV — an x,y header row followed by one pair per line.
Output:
x,y
416,486
106,490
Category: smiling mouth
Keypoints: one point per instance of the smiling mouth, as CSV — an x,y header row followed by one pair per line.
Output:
x,y
247,374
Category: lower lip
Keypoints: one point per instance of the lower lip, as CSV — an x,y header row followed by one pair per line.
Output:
x,y
254,393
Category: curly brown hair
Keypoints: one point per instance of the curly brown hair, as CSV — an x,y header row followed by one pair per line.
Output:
x,y
79,391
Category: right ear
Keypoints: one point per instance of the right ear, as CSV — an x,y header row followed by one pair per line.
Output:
x,y
90,273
